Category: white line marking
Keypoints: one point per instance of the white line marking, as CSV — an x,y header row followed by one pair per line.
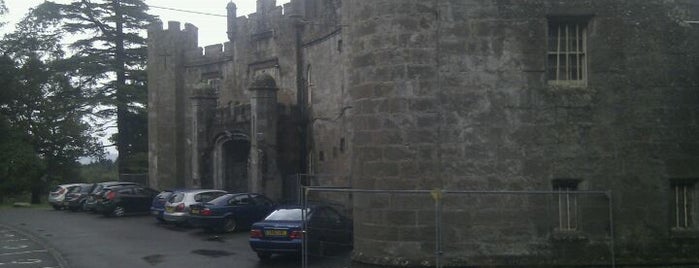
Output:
x,y
15,247
24,252
14,240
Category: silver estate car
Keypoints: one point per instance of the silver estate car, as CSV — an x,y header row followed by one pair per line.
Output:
x,y
58,193
177,206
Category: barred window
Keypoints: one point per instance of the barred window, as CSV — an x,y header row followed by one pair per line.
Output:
x,y
682,210
567,204
567,51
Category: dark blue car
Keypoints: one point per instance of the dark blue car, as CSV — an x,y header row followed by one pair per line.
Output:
x,y
230,212
282,231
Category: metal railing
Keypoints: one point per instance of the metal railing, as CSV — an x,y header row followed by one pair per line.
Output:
x,y
498,203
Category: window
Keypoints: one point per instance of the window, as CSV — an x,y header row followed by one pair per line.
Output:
x,y
683,207
567,204
261,200
567,51
242,199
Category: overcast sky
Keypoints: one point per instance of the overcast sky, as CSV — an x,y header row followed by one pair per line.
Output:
x,y
212,29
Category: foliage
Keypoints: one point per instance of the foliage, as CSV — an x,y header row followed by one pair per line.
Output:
x,y
110,59
3,10
19,165
42,114
100,170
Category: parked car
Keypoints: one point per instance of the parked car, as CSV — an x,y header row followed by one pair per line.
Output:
x,y
177,206
283,230
75,199
58,194
124,199
157,207
98,190
230,212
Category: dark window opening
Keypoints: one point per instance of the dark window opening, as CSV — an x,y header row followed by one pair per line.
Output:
x,y
567,50
683,204
567,203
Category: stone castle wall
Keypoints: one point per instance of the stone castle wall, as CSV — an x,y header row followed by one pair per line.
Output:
x,y
413,94
453,95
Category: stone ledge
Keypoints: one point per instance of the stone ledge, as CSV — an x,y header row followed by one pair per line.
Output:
x,y
21,205
568,236
678,233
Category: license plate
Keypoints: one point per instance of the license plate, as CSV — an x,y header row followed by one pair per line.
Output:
x,y
275,232
195,211
170,209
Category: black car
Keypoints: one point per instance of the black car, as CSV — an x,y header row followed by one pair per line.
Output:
x,y
76,198
121,200
98,190
230,212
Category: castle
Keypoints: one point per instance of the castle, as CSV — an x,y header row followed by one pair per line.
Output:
x,y
469,95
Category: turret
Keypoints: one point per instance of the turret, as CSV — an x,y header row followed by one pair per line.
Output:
x,y
264,6
231,17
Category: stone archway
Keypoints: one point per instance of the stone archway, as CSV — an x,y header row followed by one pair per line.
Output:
x,y
231,154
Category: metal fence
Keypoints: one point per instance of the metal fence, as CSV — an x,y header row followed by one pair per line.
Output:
x,y
141,178
465,228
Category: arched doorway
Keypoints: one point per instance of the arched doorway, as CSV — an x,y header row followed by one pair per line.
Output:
x,y
231,156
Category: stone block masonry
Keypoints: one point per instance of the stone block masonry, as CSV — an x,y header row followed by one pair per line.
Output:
x,y
468,80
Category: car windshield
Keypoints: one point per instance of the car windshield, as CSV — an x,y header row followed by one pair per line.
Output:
x,y
164,194
288,214
75,189
221,200
176,198
207,196
98,188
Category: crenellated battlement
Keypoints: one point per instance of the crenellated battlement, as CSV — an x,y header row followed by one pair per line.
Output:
x,y
174,35
174,26
210,53
267,11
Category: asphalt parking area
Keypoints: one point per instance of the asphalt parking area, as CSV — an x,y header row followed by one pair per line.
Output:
x,y
19,249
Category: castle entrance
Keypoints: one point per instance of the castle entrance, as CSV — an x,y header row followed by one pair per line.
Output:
x,y
236,154
231,163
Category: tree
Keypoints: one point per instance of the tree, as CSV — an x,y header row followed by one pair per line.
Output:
x,y
110,59
41,113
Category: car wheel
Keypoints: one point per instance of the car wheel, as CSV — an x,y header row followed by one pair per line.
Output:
x,y
264,255
56,207
119,211
229,225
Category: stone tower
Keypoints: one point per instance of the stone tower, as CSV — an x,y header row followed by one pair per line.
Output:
x,y
264,176
166,102
470,96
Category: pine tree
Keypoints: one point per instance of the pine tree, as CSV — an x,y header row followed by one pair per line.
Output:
x,y
109,58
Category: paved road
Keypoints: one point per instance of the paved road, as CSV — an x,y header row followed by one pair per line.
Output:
x,y
21,249
83,240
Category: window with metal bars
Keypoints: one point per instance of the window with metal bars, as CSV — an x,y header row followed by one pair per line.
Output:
x,y
567,204
682,209
567,51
